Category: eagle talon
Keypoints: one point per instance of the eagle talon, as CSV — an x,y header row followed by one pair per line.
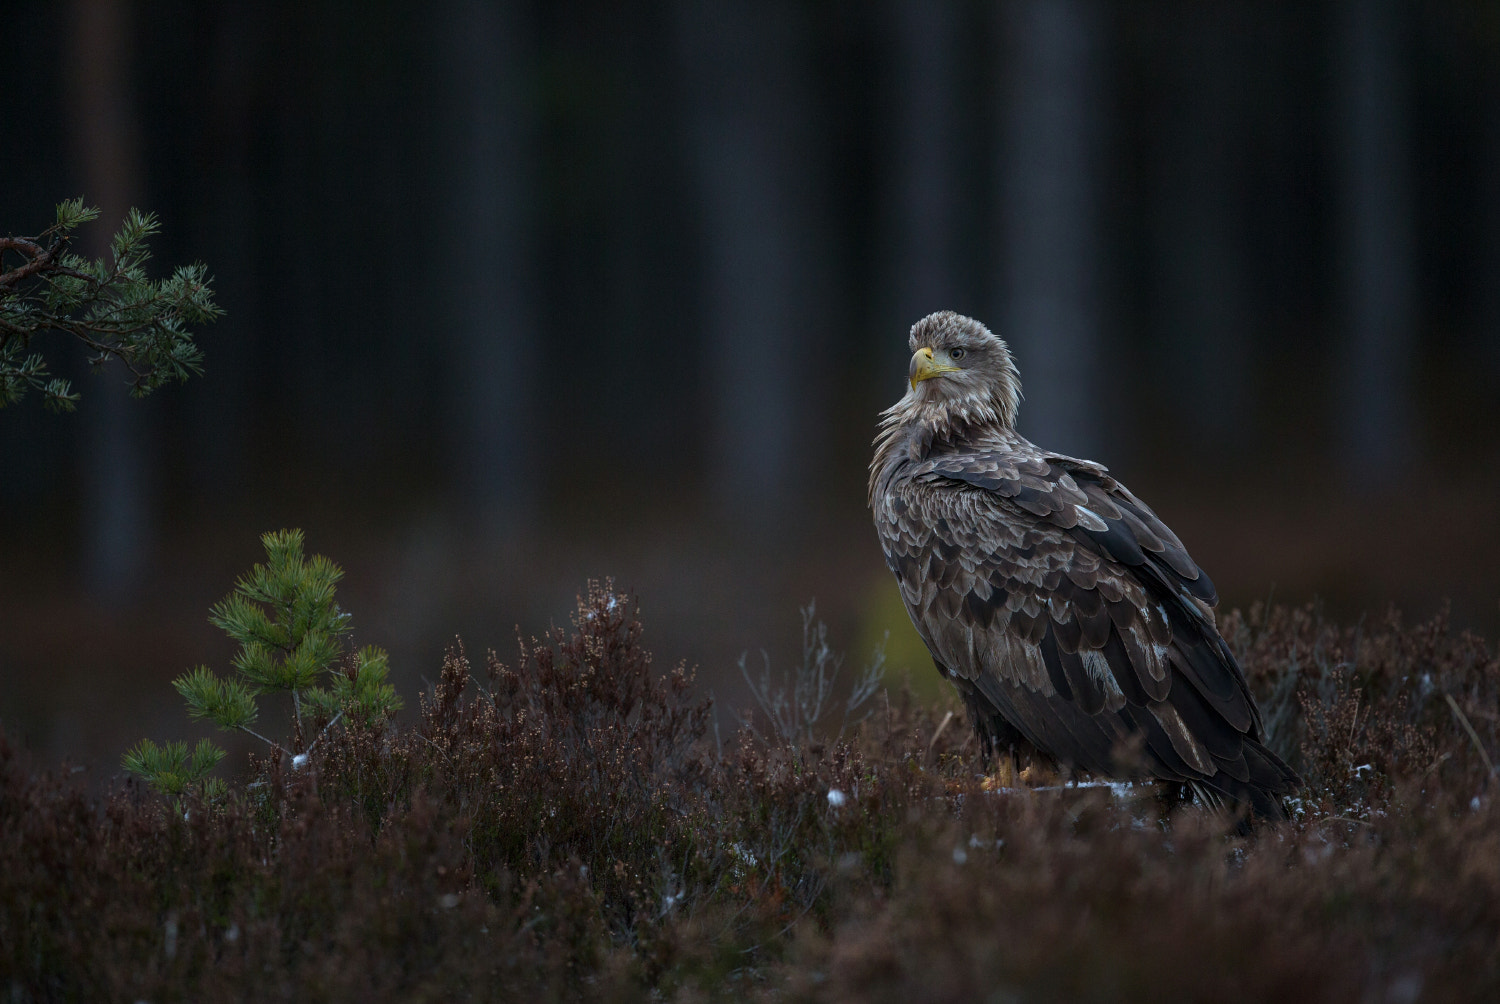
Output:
x,y
1004,776
1035,777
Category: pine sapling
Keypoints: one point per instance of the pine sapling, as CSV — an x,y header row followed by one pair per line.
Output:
x,y
289,626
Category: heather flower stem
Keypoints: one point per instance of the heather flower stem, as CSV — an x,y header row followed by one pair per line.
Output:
x,y
332,722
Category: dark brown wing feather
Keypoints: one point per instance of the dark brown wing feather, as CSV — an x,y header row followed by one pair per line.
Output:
x,y
1045,588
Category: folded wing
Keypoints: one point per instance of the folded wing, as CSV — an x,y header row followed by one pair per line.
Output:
x,y
1043,586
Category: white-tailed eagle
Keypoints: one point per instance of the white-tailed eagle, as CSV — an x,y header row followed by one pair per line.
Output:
x,y
1071,619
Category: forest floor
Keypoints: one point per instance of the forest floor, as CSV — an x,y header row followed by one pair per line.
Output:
x,y
572,824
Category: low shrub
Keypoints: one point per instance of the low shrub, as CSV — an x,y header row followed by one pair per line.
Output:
x,y
572,825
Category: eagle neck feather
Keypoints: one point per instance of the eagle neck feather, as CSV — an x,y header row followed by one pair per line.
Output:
x,y
914,428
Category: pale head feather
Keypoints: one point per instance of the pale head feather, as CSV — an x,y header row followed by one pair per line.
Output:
x,y
975,403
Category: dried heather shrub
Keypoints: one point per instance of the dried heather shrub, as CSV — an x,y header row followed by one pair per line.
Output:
x,y
566,827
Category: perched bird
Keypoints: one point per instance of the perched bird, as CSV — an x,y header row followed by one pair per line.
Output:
x,y
1069,617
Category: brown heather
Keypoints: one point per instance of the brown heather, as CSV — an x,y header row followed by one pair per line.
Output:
x,y
569,827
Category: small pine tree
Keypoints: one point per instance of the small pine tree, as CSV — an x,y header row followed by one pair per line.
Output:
x,y
112,307
289,626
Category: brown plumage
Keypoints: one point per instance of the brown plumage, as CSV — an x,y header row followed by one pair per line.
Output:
x,y
1070,618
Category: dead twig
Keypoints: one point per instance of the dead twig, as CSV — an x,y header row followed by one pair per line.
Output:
x,y
932,743
1463,720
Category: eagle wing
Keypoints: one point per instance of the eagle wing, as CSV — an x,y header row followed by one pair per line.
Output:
x,y
1043,585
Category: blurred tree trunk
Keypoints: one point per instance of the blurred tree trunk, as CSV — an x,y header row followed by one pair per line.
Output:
x,y
1489,195
1051,226
221,399
924,196
1200,253
1375,413
745,92
493,334
300,302
117,478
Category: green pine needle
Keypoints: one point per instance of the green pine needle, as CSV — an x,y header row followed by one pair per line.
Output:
x,y
113,307
170,768
229,704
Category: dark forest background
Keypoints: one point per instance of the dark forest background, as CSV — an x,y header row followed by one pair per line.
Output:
x,y
520,294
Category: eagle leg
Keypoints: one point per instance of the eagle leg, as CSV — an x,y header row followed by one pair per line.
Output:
x,y
1008,758
1172,795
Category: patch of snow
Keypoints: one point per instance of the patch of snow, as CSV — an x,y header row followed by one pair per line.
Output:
x,y
1120,789
836,798
960,855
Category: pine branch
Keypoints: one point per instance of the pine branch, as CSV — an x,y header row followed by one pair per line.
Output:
x,y
114,309
229,704
269,742
170,768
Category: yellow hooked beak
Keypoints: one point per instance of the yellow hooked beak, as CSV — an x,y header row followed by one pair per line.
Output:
x,y
925,367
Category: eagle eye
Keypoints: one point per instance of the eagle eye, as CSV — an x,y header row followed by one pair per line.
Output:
x,y
956,354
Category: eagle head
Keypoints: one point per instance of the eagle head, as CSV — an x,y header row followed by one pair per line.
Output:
x,y
963,386
961,373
